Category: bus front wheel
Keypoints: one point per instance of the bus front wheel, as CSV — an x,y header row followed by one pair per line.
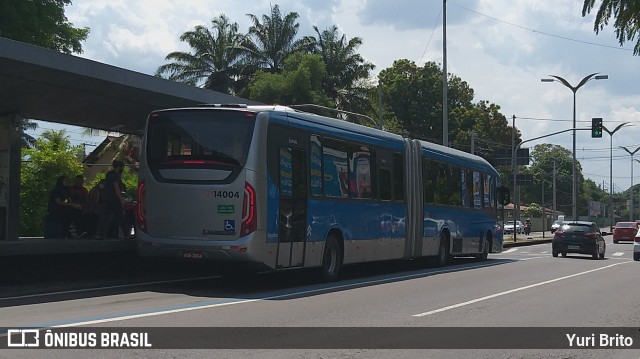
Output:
x,y
331,259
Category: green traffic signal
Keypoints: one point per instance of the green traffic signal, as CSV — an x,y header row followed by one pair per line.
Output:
x,y
596,127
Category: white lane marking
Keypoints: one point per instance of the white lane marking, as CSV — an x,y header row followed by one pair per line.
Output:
x,y
291,294
618,254
527,259
513,291
109,287
509,250
545,252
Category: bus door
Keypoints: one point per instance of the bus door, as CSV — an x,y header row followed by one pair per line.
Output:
x,y
293,207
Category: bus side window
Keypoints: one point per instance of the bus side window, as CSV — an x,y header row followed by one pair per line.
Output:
x,y
335,166
454,176
384,181
429,174
315,165
360,179
398,177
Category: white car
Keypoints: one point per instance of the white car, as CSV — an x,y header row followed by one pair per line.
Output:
x,y
508,227
636,247
556,225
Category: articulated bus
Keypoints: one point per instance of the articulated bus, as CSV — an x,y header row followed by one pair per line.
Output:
x,y
275,187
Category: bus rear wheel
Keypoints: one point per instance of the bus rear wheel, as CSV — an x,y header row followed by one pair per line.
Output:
x,y
443,252
485,251
331,259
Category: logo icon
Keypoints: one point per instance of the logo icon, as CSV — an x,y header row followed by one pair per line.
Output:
x,y
23,338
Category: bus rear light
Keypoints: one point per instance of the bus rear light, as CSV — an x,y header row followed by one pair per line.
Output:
x,y
249,222
141,213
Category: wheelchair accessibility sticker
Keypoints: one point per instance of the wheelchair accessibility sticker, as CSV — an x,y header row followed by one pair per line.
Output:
x,y
229,225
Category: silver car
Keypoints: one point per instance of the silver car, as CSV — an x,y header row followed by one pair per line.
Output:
x,y
556,225
508,227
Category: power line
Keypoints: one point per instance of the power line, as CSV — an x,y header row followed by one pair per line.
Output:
x,y
430,37
542,32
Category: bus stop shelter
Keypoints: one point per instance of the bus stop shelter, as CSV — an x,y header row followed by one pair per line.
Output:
x,y
40,84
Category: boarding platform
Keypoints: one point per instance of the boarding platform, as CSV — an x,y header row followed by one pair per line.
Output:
x,y
42,246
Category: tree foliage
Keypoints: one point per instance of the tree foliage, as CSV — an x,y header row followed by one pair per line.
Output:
x,y
42,23
273,39
299,83
412,97
214,60
52,157
27,141
346,69
533,210
627,19
543,158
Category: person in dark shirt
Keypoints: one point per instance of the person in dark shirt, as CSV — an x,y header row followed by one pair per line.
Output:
x,y
92,210
79,195
113,201
60,208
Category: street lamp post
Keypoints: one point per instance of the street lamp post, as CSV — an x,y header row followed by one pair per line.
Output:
x,y
611,171
574,89
631,188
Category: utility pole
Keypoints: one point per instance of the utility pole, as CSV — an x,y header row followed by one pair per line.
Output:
x,y
544,213
515,176
473,140
445,85
555,214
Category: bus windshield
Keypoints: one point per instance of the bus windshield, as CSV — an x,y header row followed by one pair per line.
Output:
x,y
199,138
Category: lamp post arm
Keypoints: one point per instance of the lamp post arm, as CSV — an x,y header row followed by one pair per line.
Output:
x,y
630,152
615,130
586,79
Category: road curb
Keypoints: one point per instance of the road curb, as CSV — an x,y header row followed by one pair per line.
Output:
x,y
525,242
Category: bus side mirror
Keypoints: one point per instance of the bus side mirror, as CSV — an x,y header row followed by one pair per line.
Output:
x,y
504,196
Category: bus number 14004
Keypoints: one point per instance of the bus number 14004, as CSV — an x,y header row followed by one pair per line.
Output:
x,y
221,194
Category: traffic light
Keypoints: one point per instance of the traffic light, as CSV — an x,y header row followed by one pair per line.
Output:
x,y
596,127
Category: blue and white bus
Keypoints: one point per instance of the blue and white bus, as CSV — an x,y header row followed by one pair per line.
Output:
x,y
280,188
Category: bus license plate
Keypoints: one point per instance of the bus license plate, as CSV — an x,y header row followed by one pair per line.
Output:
x,y
193,255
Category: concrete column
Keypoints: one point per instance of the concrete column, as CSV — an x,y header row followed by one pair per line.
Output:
x,y
10,152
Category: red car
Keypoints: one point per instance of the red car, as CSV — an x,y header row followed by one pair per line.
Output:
x,y
625,231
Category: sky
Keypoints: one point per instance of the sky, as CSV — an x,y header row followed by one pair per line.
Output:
x,y
501,48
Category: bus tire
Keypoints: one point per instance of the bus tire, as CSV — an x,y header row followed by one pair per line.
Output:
x,y
443,251
331,259
485,251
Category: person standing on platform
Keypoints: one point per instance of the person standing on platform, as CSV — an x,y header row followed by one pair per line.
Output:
x,y
79,195
60,209
113,201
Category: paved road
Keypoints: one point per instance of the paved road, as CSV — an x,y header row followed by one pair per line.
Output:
x,y
522,287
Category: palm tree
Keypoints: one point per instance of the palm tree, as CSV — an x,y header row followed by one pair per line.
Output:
x,y
58,139
271,41
215,58
347,72
27,141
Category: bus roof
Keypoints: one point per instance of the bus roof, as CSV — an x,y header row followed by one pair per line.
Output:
x,y
458,157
